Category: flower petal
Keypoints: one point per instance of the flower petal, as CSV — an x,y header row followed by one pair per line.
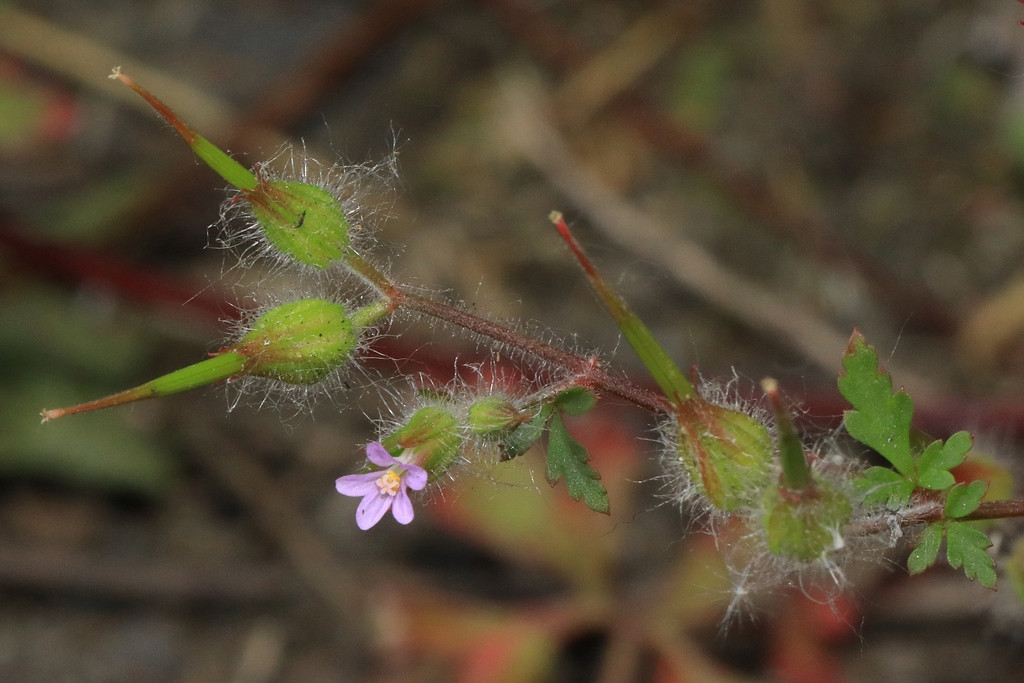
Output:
x,y
371,509
378,455
415,477
401,507
357,484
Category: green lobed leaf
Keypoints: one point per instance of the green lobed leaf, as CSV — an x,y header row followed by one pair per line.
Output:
x,y
880,419
883,485
959,444
938,458
963,499
966,547
926,551
936,480
567,459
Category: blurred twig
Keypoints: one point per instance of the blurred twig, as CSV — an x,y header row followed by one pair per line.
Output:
x,y
164,580
79,266
616,69
647,236
347,48
275,108
281,520
556,49
86,62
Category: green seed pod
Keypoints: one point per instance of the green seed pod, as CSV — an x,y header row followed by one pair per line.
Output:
x,y
494,416
804,524
304,222
727,454
300,342
432,433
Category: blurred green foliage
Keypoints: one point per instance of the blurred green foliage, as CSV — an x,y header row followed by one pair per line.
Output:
x,y
54,353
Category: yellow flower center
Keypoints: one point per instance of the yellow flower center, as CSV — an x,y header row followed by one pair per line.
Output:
x,y
388,483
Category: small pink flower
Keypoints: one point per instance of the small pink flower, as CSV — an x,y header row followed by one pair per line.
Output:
x,y
383,489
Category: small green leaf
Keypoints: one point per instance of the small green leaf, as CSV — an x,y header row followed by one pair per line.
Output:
x,y
880,419
963,499
575,401
938,458
965,547
959,443
883,485
936,480
568,458
927,549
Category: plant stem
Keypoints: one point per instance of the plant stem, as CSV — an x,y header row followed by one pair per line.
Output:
x,y
932,511
997,509
664,371
220,367
796,472
587,371
369,272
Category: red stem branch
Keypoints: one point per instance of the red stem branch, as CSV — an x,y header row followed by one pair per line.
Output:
x,y
587,371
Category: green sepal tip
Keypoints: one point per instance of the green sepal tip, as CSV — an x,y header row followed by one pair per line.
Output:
x,y
432,435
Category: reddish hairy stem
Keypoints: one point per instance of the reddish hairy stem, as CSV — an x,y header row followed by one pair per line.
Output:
x,y
930,511
589,374
662,368
996,509
187,134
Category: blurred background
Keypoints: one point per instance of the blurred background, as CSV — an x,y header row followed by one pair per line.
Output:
x,y
757,178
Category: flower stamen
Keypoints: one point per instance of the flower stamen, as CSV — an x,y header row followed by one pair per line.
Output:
x,y
388,483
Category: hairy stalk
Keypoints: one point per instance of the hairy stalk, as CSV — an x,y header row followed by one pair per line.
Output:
x,y
996,509
588,373
369,272
930,511
665,372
